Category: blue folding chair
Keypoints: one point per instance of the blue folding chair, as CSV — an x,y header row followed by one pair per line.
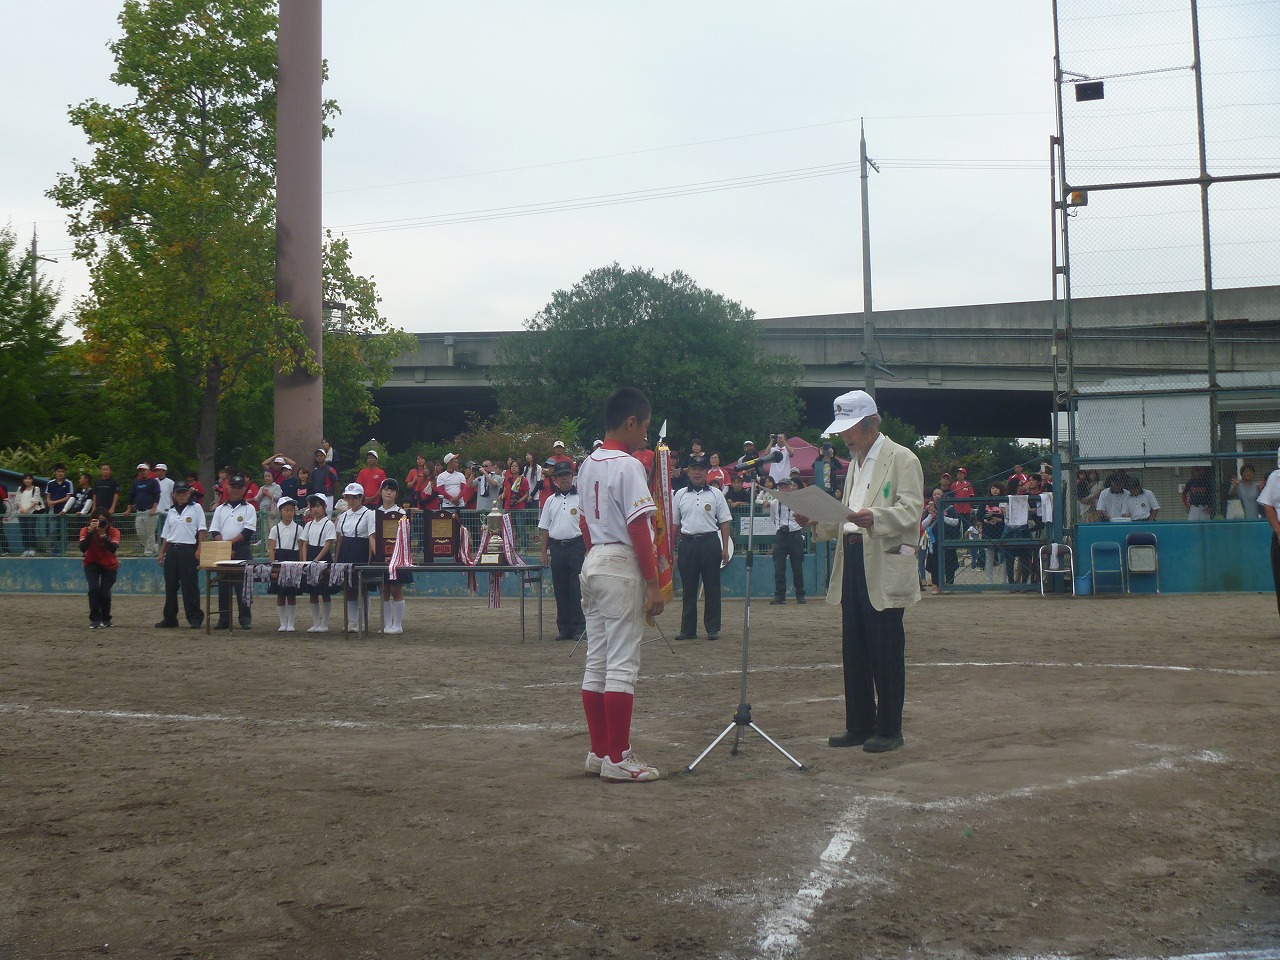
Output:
x,y
1142,557
1106,550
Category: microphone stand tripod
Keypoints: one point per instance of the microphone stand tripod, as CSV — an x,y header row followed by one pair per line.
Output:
x,y
742,717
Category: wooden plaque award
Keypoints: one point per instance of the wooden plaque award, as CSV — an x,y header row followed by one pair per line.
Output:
x,y
442,536
386,527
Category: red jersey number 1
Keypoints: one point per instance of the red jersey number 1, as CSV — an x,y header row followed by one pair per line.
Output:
x,y
596,497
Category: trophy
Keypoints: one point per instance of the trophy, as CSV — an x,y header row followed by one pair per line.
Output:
x,y
493,552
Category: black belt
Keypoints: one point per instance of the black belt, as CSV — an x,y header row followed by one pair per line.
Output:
x,y
573,542
184,546
853,539
698,536
787,530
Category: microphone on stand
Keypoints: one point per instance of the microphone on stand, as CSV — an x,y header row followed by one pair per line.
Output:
x,y
774,456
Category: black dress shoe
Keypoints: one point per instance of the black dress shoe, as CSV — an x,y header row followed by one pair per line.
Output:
x,y
681,636
848,739
167,625
880,744
777,601
800,600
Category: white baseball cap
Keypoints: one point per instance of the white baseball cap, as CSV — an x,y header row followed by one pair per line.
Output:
x,y
850,408
597,443
558,443
143,466
353,490
449,458
285,500
278,460
162,466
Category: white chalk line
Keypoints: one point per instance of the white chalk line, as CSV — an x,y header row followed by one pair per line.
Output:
x,y
321,722
805,668
779,932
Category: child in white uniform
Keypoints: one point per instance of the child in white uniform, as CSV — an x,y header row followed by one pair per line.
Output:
x,y
619,585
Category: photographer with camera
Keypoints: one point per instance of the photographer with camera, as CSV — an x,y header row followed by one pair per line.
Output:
x,y
780,469
99,542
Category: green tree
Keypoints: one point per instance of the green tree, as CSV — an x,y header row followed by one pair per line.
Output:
x,y
175,214
29,339
692,351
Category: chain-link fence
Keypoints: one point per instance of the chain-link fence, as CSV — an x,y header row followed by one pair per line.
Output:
x,y
1167,182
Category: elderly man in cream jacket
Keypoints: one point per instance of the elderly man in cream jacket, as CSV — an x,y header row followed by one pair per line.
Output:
x,y
874,578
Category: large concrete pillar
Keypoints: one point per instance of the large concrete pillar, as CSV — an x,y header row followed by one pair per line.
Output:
x,y
299,406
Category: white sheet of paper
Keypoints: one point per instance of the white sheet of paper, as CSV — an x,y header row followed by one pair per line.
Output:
x,y
814,503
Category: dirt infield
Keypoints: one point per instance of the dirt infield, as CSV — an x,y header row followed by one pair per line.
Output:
x,y
1093,777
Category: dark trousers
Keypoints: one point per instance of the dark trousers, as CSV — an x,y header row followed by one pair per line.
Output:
x,y
101,580
788,545
240,551
699,559
875,646
566,569
181,570
1275,566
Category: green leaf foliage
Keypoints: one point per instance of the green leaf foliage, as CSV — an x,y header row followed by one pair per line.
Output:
x,y
692,351
29,340
175,214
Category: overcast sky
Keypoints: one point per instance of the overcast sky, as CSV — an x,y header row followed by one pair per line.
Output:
x,y
457,115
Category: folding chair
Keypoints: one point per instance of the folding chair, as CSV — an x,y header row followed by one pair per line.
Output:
x,y
1066,565
1106,550
1142,557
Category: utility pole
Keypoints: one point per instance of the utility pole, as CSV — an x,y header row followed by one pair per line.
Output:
x,y
299,400
35,265
868,323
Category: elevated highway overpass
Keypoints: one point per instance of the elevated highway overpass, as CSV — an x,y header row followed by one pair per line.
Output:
x,y
982,369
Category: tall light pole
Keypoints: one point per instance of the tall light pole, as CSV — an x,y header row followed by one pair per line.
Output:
x,y
868,323
299,402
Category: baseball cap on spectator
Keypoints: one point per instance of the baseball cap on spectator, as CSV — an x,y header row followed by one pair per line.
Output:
x,y
600,443
286,467
280,504
371,453
449,458
278,460
564,469
787,482
143,466
236,481
558,443
354,490
962,470
162,466
849,408
748,443
182,487
698,461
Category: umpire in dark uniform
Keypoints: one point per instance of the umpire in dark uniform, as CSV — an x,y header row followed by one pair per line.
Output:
x,y
564,550
701,514
184,531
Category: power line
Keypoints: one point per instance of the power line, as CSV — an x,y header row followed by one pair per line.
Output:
x,y
680,146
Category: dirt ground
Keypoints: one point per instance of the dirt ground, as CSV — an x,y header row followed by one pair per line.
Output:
x,y
1095,777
